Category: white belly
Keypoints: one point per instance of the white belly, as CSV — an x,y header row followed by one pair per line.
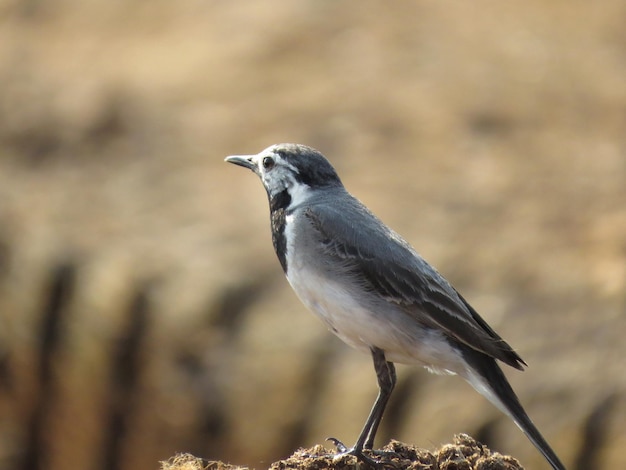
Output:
x,y
391,330
333,305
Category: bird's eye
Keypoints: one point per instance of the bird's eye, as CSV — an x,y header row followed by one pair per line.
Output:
x,y
268,163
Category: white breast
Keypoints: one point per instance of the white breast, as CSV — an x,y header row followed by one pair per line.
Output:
x,y
328,300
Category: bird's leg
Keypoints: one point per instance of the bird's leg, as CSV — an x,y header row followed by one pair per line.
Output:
x,y
386,374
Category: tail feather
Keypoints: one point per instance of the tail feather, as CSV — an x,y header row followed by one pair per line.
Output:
x,y
487,378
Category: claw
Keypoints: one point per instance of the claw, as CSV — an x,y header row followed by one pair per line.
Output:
x,y
358,453
341,448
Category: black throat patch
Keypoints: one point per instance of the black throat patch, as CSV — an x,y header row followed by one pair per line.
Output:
x,y
278,214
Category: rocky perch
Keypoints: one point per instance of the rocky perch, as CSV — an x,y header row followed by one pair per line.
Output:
x,y
464,454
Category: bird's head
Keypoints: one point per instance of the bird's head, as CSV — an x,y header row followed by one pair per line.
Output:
x,y
293,168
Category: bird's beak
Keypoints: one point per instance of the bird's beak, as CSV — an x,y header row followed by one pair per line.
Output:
x,y
242,160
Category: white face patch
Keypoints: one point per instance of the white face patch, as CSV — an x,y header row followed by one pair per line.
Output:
x,y
299,193
280,176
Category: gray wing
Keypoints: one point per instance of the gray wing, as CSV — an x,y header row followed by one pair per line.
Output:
x,y
386,264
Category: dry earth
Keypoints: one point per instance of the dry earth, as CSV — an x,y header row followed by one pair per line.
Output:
x,y
142,311
464,454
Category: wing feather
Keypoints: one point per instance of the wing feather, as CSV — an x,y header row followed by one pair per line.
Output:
x,y
384,263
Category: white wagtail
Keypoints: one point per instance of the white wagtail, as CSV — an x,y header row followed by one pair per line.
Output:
x,y
374,291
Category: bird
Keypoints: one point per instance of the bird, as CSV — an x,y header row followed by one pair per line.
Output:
x,y
375,292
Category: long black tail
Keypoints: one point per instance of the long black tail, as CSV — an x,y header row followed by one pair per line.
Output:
x,y
488,379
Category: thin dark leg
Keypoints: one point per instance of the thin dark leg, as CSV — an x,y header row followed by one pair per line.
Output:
x,y
386,374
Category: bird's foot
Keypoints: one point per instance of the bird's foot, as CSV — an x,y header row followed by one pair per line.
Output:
x,y
358,453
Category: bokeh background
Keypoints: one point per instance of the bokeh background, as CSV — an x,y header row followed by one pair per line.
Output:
x,y
142,310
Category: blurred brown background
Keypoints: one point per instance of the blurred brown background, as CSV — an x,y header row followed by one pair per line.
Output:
x,y
142,310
